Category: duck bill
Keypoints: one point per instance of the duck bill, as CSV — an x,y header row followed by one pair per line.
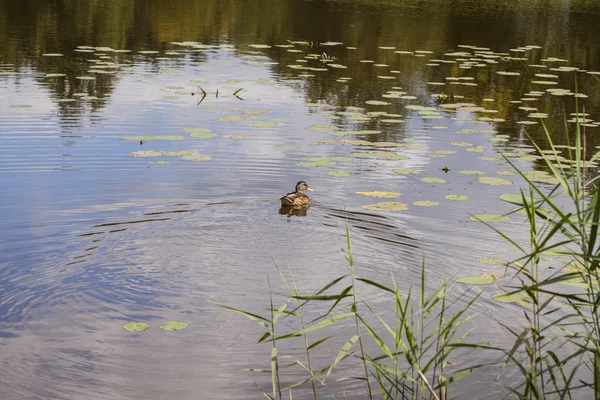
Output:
x,y
309,189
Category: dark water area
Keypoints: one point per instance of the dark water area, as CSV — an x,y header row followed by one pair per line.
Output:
x,y
139,182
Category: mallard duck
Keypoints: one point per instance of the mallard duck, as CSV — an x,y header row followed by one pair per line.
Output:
x,y
297,197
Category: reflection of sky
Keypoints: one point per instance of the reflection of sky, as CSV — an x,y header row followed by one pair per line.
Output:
x,y
58,186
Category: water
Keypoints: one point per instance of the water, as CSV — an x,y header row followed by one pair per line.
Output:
x,y
93,237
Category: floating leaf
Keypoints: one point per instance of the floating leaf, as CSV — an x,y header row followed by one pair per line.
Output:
x,y
231,118
521,298
504,172
386,206
471,172
376,193
406,171
378,154
286,148
173,325
492,261
240,136
322,127
489,218
430,179
136,326
162,162
262,124
54,75
483,279
477,149
145,153
197,157
377,102
445,152
456,197
426,203
338,173
488,180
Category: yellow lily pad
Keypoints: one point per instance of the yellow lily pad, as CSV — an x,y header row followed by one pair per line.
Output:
x,y
136,326
376,193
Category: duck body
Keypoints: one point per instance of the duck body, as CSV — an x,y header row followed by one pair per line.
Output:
x,y
297,198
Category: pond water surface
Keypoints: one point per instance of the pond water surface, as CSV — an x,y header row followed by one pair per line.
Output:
x,y
144,147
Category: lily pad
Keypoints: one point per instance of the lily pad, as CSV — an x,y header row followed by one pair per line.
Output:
x,y
376,193
145,153
322,127
426,203
231,118
136,326
378,154
521,298
386,206
197,157
489,180
430,179
504,172
406,171
377,102
262,124
240,136
489,218
476,149
483,279
462,144
492,261
173,325
338,173
162,162
456,197
471,172
444,152
286,148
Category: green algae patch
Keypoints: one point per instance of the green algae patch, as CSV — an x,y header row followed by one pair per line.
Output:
x,y
173,325
456,197
386,206
488,180
483,279
426,203
136,326
519,298
430,179
489,218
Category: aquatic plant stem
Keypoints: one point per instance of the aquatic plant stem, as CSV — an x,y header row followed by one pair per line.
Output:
x,y
350,261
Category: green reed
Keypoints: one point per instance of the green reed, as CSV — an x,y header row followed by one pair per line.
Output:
x,y
412,356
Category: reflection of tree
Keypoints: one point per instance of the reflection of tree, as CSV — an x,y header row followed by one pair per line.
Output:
x,y
564,29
